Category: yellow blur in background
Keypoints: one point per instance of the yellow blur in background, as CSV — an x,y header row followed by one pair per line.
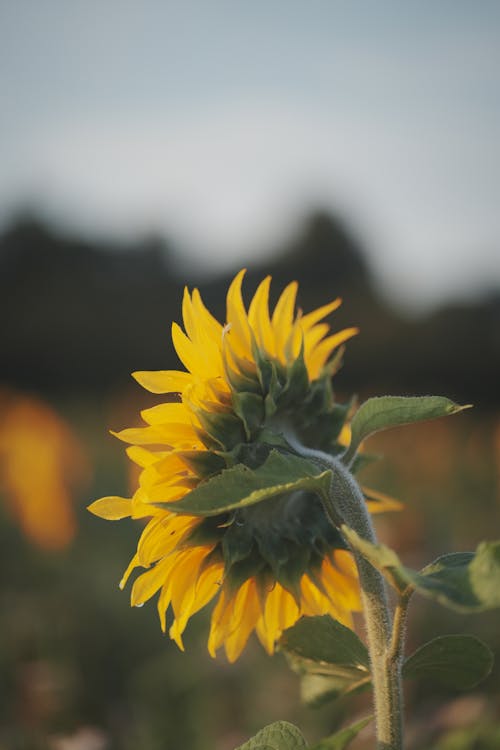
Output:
x,y
41,462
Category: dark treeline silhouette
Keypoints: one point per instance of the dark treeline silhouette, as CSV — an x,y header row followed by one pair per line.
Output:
x,y
78,318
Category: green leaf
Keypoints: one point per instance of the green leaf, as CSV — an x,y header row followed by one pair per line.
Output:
x,y
467,582
241,486
390,411
342,739
318,689
447,579
464,581
323,639
330,658
484,574
456,661
278,736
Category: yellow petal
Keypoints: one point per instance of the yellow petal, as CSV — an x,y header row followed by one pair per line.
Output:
x,y
132,564
112,508
178,434
314,602
165,413
162,535
191,590
141,508
313,317
344,590
163,603
283,317
199,594
233,619
169,464
280,612
205,319
221,616
294,343
163,381
202,356
190,322
379,502
186,575
143,457
147,584
238,327
245,615
258,317
283,314
317,359
167,493
190,357
313,336
344,561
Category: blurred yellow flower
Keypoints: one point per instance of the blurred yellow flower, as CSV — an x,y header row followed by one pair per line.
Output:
x,y
245,383
41,460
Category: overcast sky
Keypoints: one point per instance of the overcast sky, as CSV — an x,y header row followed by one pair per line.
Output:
x,y
222,123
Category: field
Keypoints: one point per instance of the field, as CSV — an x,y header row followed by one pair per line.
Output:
x,y
81,670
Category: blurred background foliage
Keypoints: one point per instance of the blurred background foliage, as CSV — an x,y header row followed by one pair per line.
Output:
x,y
80,669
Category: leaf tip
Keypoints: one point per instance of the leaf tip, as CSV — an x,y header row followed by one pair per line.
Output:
x,y
455,408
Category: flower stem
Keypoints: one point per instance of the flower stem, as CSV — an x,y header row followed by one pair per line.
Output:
x,y
385,656
345,504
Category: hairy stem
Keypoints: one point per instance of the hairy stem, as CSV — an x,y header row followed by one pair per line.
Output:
x,y
345,504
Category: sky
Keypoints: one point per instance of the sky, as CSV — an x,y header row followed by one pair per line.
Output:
x,y
221,124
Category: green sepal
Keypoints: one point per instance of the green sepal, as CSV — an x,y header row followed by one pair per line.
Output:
x,y
240,486
297,382
208,532
203,463
320,396
213,558
454,661
391,411
223,430
278,736
236,546
251,566
334,364
343,737
273,393
274,439
250,409
463,581
289,573
244,380
266,371
322,428
252,455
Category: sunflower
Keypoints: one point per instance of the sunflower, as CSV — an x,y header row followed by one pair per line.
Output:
x,y
246,385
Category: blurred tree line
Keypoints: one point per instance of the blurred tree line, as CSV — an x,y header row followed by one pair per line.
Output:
x,y
79,317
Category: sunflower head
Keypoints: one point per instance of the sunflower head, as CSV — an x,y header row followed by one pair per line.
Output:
x,y
233,513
